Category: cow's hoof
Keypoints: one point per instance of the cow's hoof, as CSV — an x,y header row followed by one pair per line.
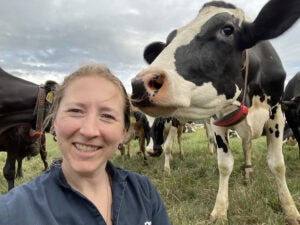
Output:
x,y
19,175
167,171
218,219
293,220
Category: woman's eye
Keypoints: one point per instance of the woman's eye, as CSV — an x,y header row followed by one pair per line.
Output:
x,y
74,110
108,116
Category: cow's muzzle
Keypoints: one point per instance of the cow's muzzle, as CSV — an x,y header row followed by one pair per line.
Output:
x,y
145,88
156,151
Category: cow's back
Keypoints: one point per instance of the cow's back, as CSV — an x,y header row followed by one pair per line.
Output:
x,y
16,94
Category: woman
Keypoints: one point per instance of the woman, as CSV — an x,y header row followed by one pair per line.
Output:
x,y
90,119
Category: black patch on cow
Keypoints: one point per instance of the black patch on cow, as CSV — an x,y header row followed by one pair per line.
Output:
x,y
220,143
277,132
273,112
211,56
175,122
166,119
171,36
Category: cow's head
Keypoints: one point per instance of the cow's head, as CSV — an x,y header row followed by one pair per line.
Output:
x,y
50,87
198,70
154,148
293,107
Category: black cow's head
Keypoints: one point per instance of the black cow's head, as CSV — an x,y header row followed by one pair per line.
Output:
x,y
50,87
198,71
292,107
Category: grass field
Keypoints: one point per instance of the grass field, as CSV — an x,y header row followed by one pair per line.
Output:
x,y
190,191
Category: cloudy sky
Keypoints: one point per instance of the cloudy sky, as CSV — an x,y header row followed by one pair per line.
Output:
x,y
47,39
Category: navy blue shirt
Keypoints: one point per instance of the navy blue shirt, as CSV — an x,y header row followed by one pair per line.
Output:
x,y
50,200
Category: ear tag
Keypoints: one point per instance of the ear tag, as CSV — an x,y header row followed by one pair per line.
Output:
x,y
49,97
132,119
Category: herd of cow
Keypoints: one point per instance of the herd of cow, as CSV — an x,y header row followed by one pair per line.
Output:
x,y
219,68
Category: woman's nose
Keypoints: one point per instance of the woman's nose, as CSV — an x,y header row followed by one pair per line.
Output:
x,y
90,127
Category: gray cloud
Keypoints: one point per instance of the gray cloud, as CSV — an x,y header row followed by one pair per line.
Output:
x,y
41,40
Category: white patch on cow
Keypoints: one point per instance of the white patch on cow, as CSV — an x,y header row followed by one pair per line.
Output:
x,y
203,106
258,114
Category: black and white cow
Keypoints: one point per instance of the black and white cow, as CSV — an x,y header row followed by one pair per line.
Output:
x,y
291,106
163,132
200,72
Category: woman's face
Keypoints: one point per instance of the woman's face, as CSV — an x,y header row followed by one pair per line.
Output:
x,y
89,124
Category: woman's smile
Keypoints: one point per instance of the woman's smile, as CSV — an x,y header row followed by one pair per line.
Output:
x,y
86,148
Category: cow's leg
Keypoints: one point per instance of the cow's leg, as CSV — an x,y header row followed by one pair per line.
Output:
x,y
248,170
179,139
9,170
142,147
19,168
168,148
245,132
274,132
121,148
43,152
225,165
128,150
210,136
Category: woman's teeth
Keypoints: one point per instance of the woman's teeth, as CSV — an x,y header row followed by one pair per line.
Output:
x,y
86,148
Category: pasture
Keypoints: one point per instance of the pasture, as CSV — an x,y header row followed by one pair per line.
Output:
x,y
190,191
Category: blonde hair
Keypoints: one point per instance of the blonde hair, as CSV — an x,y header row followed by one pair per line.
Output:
x,y
87,70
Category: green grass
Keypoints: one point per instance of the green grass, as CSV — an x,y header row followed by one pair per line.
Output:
x,y
190,191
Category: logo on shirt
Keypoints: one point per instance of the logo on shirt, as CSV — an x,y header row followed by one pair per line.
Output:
x,y
148,223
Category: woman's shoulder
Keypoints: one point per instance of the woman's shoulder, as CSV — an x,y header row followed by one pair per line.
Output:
x,y
32,188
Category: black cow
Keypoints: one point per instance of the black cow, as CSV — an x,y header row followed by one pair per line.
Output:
x,y
291,106
23,107
215,66
163,131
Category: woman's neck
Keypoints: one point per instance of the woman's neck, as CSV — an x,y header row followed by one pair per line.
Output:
x,y
84,182
95,187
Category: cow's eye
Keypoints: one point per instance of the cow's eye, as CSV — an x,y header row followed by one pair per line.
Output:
x,y
228,30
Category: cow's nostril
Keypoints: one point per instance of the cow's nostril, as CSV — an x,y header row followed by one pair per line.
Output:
x,y
156,82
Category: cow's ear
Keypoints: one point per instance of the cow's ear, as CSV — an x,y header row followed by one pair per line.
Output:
x,y
153,50
50,85
274,19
